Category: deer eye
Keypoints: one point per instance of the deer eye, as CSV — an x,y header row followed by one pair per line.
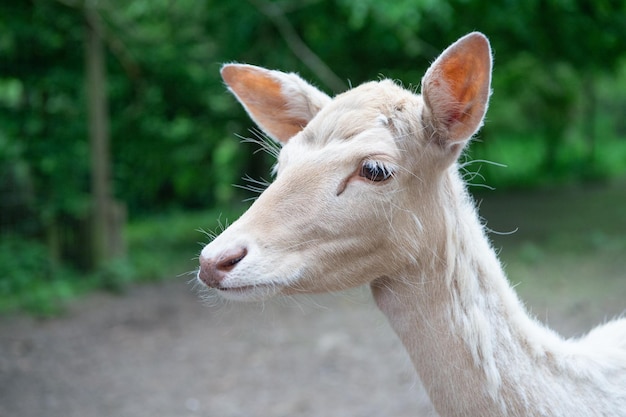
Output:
x,y
375,171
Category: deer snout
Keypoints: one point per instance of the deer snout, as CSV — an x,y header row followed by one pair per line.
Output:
x,y
213,270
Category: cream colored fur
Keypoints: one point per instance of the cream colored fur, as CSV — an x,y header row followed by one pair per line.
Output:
x,y
328,223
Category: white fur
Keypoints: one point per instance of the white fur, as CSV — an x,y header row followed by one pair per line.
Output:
x,y
415,238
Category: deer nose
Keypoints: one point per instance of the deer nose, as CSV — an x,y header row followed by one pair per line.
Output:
x,y
213,270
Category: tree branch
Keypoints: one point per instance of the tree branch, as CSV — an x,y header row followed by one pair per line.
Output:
x,y
277,16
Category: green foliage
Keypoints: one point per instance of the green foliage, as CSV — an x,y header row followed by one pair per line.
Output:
x,y
29,280
40,103
171,118
161,247
555,116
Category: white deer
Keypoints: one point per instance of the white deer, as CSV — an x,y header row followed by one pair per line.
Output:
x,y
367,190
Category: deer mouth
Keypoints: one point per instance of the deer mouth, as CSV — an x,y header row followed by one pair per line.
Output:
x,y
255,292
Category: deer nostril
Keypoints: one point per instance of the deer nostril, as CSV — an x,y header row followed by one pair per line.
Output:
x,y
228,260
214,270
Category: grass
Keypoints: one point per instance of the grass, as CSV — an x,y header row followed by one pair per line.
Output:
x,y
168,245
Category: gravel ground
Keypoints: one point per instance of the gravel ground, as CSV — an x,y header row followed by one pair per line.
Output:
x,y
159,351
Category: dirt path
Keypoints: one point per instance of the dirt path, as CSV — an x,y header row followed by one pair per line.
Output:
x,y
158,351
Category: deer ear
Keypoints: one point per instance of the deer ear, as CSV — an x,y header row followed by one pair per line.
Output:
x,y
456,89
280,104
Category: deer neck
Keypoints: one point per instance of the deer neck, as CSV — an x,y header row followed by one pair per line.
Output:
x,y
467,333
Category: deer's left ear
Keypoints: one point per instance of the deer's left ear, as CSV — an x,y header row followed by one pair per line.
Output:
x,y
281,104
456,89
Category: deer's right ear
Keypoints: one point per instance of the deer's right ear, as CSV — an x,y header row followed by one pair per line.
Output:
x,y
280,104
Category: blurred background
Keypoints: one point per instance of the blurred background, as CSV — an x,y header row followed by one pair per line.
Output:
x,y
118,140
119,148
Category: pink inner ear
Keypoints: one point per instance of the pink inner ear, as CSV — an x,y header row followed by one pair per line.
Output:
x,y
253,86
456,87
261,95
453,117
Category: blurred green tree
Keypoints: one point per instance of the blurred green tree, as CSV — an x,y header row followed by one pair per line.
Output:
x,y
172,124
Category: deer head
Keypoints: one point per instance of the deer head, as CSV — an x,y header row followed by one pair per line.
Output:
x,y
358,179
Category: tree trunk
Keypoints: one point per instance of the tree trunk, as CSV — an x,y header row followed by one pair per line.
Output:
x,y
107,220
590,120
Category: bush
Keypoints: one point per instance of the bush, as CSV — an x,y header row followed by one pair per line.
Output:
x,y
160,247
30,281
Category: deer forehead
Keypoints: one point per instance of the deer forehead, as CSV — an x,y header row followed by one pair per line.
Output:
x,y
369,105
368,121
339,152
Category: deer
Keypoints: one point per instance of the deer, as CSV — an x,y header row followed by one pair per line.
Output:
x,y
368,190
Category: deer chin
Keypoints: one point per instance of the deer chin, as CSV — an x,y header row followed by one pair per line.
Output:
x,y
253,292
